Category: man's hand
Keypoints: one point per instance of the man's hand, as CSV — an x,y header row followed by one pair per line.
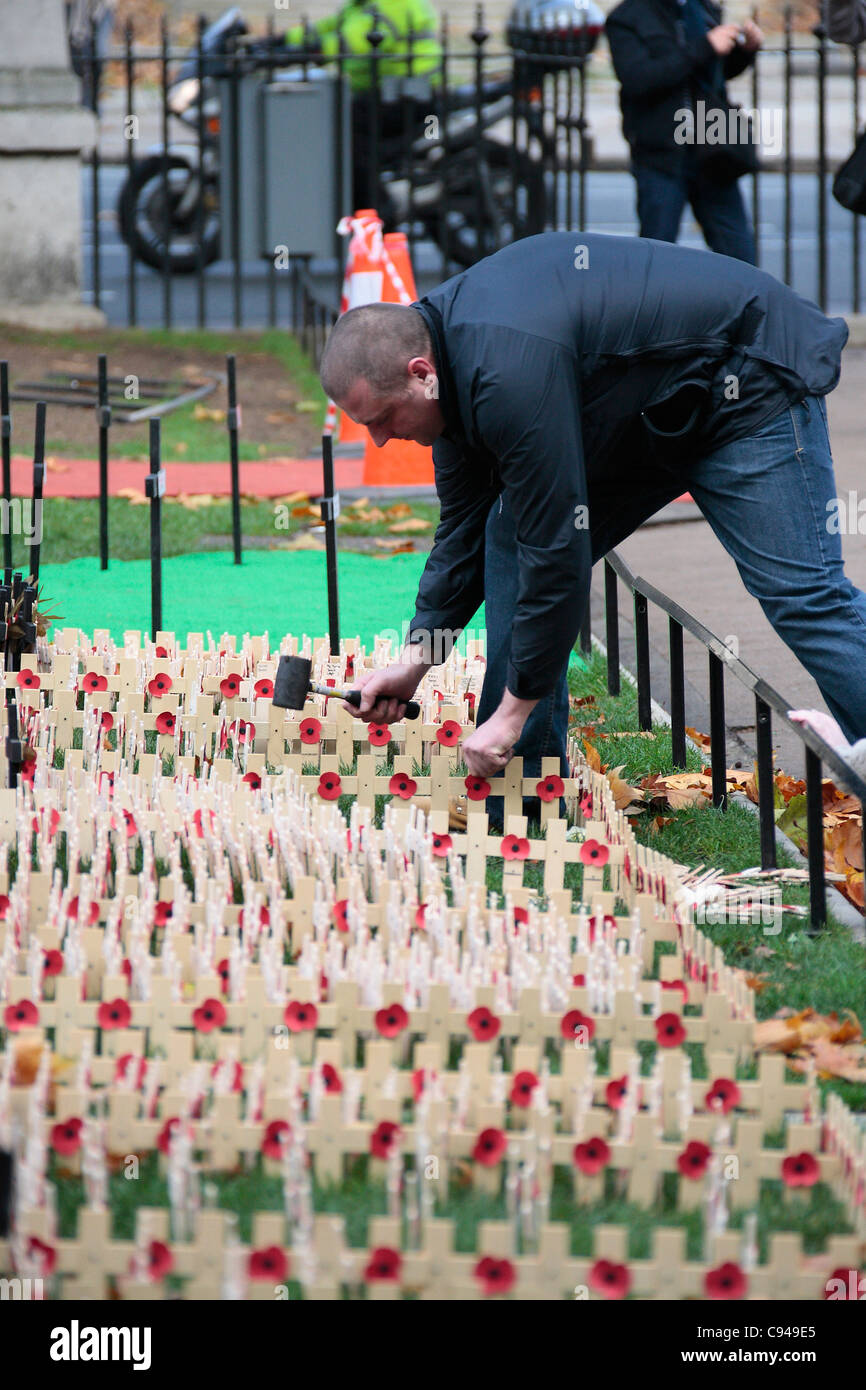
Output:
x,y
753,36
491,746
723,38
386,693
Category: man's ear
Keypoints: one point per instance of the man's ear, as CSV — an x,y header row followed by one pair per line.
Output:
x,y
421,367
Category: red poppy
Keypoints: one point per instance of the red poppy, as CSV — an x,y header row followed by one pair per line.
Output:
x,y
476,788
609,1279
161,653
483,1025
378,734
578,981
853,1283
801,1170
93,682
490,1147
677,984
383,1264
253,780
52,963
549,788
114,1013
160,684
521,914
264,689
230,686
725,1281
310,730
723,1095
24,1014
385,1137
210,1014
237,1074
162,912
123,1064
198,822
160,1260
270,1263
264,916
693,1160
419,1079
592,1155
522,1086
243,730
391,1021
669,1030
339,912
421,916
300,1018
27,770
595,853
163,1139
107,721
330,786
165,722
402,785
495,1276
440,845
129,822
4,905
586,805
273,1143
66,1137
44,1255
577,1025
331,1079
513,847
92,911
615,1092
28,680
448,733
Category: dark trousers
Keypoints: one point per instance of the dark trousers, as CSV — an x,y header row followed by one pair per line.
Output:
x,y
718,208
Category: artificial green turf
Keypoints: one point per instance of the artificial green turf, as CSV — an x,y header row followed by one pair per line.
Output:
x,y
273,591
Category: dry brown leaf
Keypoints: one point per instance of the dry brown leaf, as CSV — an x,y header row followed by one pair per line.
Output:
x,y
132,494
775,1035
758,982
54,467
280,417
830,1059
305,511
592,756
702,740
304,540
623,794
402,548
206,412
398,510
414,523
292,497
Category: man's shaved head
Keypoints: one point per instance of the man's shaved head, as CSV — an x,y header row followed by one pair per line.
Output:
x,y
375,342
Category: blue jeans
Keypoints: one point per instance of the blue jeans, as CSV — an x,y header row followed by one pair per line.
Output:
x,y
718,208
765,498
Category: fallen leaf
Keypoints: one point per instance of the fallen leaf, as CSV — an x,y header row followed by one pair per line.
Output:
x,y
280,417
307,407
304,540
414,523
703,740
592,756
398,510
206,412
292,497
401,548
180,447
54,467
623,794
305,511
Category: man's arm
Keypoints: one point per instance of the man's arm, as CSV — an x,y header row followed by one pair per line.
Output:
x,y
846,21
527,411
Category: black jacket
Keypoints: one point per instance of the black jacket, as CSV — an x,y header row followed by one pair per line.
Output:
x,y
661,71
552,375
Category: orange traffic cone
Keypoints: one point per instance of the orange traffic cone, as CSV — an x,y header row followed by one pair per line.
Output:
x,y
401,460
362,284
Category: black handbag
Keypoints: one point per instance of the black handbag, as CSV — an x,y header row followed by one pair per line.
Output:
x,y
731,159
849,185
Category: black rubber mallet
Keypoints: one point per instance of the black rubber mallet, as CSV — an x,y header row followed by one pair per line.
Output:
x,y
293,684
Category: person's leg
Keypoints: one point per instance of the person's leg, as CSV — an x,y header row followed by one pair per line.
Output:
x,y
544,733
769,501
660,202
721,213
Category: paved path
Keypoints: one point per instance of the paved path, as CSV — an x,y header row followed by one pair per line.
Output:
x,y
686,561
262,477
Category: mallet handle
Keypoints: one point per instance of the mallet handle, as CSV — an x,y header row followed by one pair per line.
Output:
x,y
353,697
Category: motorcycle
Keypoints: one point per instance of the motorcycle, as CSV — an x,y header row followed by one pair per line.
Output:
x,y
464,189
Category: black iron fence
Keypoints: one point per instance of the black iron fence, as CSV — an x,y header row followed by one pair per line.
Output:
x,y
768,703
485,145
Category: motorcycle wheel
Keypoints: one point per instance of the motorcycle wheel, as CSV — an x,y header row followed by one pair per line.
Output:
x,y
142,219
455,228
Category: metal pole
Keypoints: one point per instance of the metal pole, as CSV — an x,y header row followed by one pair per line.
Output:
x,y
233,420
103,415
330,512
718,755
154,487
766,804
678,693
6,447
38,479
129,63
815,842
166,187
611,624
641,639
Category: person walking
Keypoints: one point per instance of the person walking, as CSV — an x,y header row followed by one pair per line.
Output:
x,y
672,59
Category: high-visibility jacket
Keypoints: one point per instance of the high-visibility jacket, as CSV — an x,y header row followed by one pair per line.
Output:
x,y
396,19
